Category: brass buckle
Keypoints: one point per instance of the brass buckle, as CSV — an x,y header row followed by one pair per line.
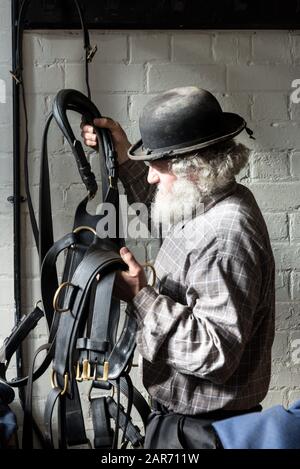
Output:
x,y
85,374
105,372
54,382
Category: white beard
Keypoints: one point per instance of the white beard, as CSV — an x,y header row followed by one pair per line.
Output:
x,y
179,204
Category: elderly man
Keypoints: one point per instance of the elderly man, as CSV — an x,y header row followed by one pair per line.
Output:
x,y
205,332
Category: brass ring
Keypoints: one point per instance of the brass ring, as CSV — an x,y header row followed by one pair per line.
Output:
x,y
56,295
87,228
54,382
148,264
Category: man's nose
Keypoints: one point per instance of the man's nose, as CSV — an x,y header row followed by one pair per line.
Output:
x,y
153,176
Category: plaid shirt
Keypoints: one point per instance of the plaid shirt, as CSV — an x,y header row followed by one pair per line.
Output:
x,y
205,335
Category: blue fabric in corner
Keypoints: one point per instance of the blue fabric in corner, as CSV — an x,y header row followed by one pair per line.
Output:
x,y
274,428
8,424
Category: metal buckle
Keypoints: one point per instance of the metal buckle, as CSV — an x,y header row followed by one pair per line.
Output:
x,y
105,372
54,382
85,374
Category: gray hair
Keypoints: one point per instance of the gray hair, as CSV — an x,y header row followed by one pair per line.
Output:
x,y
213,168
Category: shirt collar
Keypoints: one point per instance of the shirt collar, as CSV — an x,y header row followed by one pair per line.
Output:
x,y
213,199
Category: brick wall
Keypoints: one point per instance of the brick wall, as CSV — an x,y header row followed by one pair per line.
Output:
x,y
249,72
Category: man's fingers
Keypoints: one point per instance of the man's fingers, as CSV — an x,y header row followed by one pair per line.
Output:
x,y
129,258
87,128
90,143
89,136
105,122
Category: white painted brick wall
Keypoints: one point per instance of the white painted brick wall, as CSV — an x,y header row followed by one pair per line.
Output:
x,y
249,72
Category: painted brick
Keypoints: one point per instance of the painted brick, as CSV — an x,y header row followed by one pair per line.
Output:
x,y
31,292
5,46
6,265
295,286
51,47
75,78
6,208
149,47
295,164
225,48
6,291
296,47
292,397
282,281
118,77
112,105
277,224
280,346
244,47
295,226
136,104
269,47
7,323
261,77
269,165
111,47
44,78
31,267
270,106
294,109
7,78
287,256
276,196
7,233
283,377
37,114
6,145
274,398
277,135
235,102
287,315
112,77
5,16
5,112
64,170
191,48
6,174
162,77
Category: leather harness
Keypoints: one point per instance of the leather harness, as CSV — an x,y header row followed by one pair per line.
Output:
x,y
81,312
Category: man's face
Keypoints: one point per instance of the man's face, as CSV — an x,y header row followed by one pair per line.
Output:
x,y
160,174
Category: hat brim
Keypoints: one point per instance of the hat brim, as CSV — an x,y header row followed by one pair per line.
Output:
x,y
231,126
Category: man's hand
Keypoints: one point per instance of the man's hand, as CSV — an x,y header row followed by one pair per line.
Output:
x,y
129,283
119,137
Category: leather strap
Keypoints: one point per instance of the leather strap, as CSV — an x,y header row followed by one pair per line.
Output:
x,y
103,433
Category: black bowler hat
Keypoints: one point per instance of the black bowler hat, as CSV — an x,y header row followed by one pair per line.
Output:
x,y
181,120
